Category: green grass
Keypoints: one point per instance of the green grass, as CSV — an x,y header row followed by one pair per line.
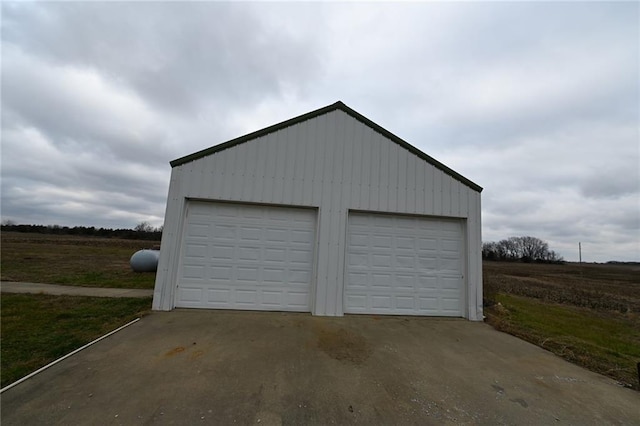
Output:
x,y
603,341
72,260
37,329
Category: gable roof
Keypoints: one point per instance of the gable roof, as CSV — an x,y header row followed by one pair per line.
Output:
x,y
341,106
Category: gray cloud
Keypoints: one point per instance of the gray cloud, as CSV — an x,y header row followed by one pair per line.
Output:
x,y
537,102
176,56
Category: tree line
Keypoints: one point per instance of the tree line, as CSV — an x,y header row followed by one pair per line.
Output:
x,y
142,231
525,249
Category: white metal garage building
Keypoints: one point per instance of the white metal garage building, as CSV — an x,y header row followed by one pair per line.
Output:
x,y
326,213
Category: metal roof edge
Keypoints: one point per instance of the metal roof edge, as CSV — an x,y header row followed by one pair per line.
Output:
x,y
324,110
254,135
429,159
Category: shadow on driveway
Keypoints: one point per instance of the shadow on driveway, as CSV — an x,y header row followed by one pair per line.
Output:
x,y
228,367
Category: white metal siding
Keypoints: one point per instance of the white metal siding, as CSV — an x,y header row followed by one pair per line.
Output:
x,y
237,256
404,265
345,165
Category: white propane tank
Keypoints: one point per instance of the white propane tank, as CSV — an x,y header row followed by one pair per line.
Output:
x,y
145,260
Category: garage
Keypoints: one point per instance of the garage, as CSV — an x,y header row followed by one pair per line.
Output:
x,y
403,265
327,213
238,256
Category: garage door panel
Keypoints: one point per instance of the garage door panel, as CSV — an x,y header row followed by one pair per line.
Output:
x,y
382,241
405,262
219,252
358,279
247,273
196,250
220,232
194,271
427,244
246,257
357,303
302,237
198,231
218,296
403,265
223,273
275,255
249,234
190,294
300,278
381,260
300,256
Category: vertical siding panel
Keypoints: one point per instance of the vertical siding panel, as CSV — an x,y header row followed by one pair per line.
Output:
x,y
227,178
365,199
322,257
307,138
389,181
411,182
191,182
335,248
429,189
299,167
280,142
250,182
374,188
290,165
271,168
464,201
327,143
238,174
337,137
215,179
356,171
386,190
437,192
455,198
420,184
347,161
261,167
403,171
327,140
320,146
446,195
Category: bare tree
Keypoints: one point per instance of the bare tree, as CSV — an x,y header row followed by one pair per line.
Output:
x,y
527,249
143,227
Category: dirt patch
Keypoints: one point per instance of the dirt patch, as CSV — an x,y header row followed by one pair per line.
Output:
x,y
174,351
343,345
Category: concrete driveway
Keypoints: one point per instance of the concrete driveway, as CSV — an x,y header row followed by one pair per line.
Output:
x,y
226,367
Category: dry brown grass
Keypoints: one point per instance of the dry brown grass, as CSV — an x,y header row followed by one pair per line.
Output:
x,y
588,314
596,286
72,260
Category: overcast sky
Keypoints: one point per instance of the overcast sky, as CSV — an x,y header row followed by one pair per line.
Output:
x,y
539,103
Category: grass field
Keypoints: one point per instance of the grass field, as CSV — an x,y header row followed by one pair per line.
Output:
x,y
588,314
37,329
72,260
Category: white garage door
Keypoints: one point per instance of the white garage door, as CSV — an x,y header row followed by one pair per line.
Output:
x,y
238,256
404,265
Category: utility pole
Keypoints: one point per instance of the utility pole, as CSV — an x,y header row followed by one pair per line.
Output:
x,y
580,251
